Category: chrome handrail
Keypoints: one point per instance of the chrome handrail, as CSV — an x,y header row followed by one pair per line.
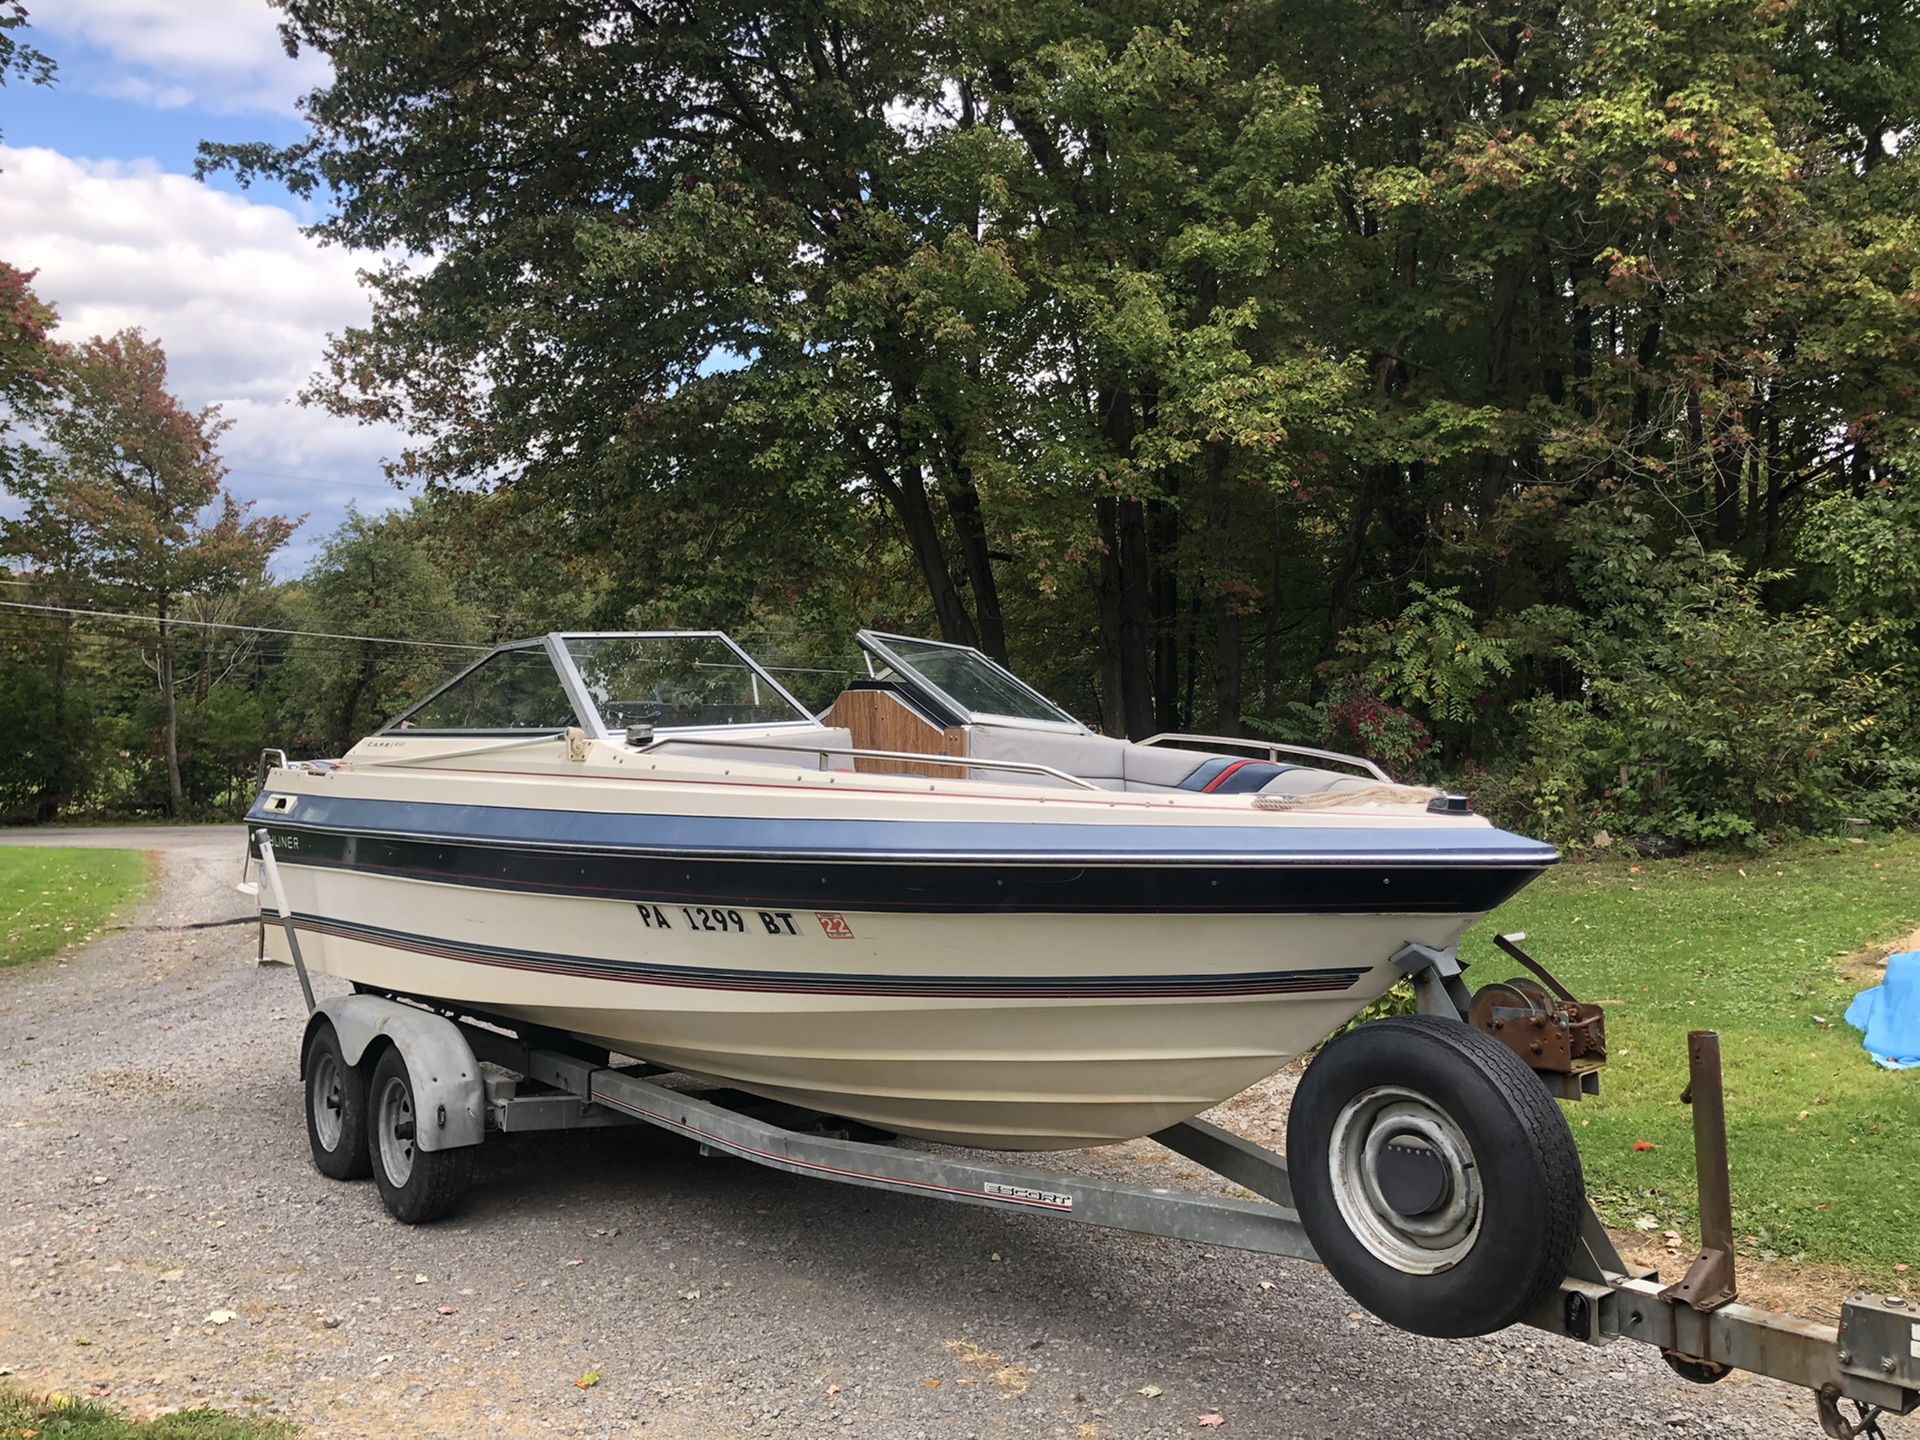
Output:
x,y
919,757
1274,748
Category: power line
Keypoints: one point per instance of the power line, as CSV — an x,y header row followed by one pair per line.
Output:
x,y
391,487
222,625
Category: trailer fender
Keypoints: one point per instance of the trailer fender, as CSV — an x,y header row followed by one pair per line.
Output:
x,y
448,1091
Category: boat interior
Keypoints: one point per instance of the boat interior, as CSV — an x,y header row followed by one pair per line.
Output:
x,y
698,692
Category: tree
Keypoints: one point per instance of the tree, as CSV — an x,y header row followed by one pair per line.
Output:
x,y
123,497
25,364
374,577
1161,347
19,60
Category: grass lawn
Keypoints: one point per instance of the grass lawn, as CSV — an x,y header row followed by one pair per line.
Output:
x,y
53,898
22,1415
1825,1145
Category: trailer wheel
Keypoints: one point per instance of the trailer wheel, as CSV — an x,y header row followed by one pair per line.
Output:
x,y
418,1186
1435,1175
336,1109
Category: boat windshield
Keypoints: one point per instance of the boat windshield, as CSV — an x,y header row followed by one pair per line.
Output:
x,y
964,679
676,682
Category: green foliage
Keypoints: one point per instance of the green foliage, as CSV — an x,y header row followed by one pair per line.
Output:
x,y
1431,656
1543,383
61,1417
379,578
120,505
52,755
1704,717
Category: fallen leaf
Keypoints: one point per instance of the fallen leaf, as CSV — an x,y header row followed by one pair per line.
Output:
x,y
929,1384
833,1389
689,1294
1266,1285
219,1317
576,1262
419,1279
1640,1145
1152,1392
1211,1422
1646,1222
1900,1269
448,1310
588,1380
383,1359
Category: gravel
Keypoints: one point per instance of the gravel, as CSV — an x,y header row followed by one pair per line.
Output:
x,y
154,1173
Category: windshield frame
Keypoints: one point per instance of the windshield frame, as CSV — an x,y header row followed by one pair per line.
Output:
x,y
875,643
586,712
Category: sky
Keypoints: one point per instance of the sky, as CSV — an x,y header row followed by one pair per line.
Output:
x,y
97,194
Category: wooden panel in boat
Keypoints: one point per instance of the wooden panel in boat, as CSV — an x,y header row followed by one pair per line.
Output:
x,y
881,720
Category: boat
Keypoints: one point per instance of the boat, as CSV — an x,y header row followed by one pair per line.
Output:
x,y
942,906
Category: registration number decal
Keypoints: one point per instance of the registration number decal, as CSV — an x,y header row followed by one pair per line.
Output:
x,y
716,919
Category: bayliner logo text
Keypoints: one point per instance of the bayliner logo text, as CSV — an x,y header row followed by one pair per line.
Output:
x,y
1030,1196
835,924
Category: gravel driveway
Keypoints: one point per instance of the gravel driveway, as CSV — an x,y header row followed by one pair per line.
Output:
x,y
154,1172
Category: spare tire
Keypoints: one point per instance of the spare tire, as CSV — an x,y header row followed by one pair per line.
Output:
x,y
1435,1175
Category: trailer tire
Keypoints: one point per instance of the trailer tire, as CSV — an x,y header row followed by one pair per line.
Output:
x,y
417,1186
336,1108
1435,1175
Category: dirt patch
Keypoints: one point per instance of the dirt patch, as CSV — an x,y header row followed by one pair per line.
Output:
x,y
131,1083
1867,967
1813,1292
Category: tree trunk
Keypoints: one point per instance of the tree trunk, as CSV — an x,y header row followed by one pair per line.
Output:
x,y
906,493
1136,627
1126,581
1163,601
1113,711
969,524
170,725
1340,603
344,731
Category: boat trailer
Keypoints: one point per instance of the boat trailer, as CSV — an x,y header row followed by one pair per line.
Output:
x,y
462,1074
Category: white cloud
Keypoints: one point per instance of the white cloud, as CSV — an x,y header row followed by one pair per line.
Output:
x,y
145,92
221,55
241,300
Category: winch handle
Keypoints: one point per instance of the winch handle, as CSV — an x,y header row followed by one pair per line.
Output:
x,y
1511,944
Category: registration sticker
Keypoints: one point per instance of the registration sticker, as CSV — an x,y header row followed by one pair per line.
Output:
x,y
835,924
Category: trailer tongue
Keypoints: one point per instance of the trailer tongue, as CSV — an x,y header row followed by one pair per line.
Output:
x,y
406,1088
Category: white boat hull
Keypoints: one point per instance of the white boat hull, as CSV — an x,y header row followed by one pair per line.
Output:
x,y
795,1005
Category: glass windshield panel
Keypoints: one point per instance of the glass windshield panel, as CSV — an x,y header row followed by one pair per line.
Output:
x,y
510,690
974,681
675,681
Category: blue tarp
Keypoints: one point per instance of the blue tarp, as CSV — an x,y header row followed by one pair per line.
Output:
x,y
1890,1014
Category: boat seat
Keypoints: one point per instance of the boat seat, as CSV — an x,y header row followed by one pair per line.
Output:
x,y
1115,764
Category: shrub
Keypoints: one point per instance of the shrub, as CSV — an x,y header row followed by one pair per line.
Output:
x,y
1720,723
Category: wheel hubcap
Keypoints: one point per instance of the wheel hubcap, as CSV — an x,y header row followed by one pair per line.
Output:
x,y
396,1130
326,1097
1404,1180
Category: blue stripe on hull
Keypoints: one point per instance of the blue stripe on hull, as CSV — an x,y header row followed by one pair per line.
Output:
x,y
1041,841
